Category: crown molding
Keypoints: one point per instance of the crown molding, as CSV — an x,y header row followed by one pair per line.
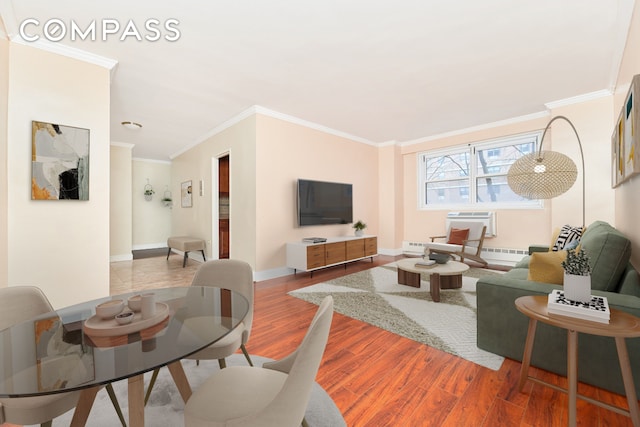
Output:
x,y
162,162
122,144
256,109
578,99
216,130
298,121
485,126
9,26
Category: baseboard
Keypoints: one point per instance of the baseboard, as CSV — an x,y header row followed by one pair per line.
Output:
x,y
123,257
149,246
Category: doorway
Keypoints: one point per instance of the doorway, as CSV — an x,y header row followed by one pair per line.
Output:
x,y
223,206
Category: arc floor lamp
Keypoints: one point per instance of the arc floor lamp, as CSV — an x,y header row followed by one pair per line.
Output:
x,y
546,174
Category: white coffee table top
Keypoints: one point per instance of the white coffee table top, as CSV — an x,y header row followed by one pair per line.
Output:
x,y
449,269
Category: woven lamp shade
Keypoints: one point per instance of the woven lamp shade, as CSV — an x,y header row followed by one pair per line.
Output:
x,y
542,175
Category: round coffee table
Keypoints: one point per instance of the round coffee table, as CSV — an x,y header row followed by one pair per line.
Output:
x,y
441,276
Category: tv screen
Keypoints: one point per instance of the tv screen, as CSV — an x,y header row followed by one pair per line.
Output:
x,y
324,203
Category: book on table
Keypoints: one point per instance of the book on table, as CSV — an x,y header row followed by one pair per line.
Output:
x,y
596,310
425,263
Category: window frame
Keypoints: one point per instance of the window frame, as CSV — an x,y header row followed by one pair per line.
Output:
x,y
473,177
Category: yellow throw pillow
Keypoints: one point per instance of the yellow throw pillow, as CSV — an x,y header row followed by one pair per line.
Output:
x,y
554,237
546,267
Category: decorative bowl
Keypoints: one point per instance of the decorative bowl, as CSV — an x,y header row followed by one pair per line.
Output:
x,y
135,302
124,317
108,310
440,258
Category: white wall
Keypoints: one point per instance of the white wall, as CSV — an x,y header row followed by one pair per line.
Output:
x,y
120,210
4,99
151,219
60,246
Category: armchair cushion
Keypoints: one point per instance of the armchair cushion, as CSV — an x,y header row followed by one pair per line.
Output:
x,y
457,236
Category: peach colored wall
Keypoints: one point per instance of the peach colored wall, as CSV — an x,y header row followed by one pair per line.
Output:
x,y
286,152
195,165
60,246
4,100
391,196
627,201
420,224
594,123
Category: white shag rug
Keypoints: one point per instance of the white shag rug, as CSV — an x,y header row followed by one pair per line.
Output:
x,y
165,406
375,297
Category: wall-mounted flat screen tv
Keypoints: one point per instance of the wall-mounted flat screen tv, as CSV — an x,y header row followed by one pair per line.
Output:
x,y
322,203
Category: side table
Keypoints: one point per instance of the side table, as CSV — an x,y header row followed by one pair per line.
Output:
x,y
621,325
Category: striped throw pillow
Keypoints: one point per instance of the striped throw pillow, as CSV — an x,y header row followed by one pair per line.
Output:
x,y
567,235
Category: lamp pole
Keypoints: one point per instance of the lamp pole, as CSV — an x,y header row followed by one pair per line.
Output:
x,y
581,157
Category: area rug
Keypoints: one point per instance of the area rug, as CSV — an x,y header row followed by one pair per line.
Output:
x,y
166,408
375,297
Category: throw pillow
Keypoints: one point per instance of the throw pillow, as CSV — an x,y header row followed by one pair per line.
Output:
x,y
546,267
457,236
567,234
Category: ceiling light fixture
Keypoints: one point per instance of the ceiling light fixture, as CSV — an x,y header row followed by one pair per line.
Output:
x,y
131,125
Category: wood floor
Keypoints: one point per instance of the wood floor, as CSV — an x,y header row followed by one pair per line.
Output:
x,y
377,378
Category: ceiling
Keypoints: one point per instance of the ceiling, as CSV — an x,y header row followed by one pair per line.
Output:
x,y
377,70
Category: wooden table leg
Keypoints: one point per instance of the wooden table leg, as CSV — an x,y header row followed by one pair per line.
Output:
x,y
136,401
85,403
572,374
627,378
434,286
526,357
180,378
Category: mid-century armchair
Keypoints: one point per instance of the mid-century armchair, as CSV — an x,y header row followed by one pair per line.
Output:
x,y
464,239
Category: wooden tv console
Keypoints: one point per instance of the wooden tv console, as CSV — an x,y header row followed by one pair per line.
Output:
x,y
304,256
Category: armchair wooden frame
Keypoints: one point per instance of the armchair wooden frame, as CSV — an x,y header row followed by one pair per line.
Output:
x,y
461,251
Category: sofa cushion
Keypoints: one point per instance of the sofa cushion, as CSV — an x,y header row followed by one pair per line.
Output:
x,y
546,267
609,252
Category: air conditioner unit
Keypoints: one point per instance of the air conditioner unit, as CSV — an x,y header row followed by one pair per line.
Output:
x,y
487,218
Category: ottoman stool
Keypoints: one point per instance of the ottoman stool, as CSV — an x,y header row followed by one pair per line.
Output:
x,y
185,244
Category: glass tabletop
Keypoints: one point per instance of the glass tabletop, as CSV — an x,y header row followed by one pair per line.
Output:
x,y
55,353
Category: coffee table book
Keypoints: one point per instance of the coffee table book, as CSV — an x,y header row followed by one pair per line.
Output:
x,y
596,310
426,263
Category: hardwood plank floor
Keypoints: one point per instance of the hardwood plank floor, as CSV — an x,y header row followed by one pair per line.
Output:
x,y
377,378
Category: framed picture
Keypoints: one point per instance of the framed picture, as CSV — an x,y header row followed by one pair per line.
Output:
x,y
625,144
186,194
59,162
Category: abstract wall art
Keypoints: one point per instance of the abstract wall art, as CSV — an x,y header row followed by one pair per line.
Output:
x,y
186,194
625,141
59,162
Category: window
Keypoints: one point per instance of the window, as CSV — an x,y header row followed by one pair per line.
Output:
x,y
475,174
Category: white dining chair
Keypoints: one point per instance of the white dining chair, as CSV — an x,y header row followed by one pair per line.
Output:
x,y
230,274
275,395
18,304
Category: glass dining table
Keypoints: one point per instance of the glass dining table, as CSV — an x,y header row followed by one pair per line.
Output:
x,y
71,349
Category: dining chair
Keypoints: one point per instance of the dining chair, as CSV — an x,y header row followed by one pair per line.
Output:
x,y
275,395
230,274
18,304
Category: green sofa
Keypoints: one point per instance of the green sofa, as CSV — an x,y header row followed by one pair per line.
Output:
x,y
502,329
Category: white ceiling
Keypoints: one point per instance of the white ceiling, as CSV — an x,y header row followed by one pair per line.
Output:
x,y
377,70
